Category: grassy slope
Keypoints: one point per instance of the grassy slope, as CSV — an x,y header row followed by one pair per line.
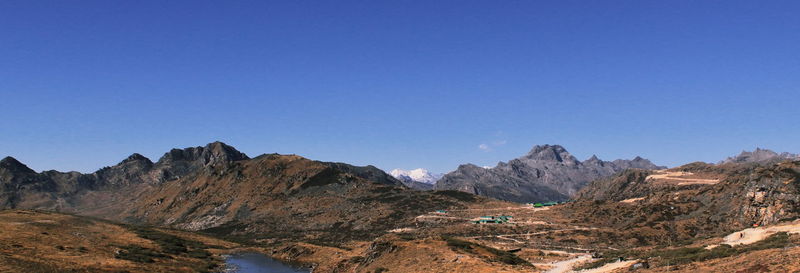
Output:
x,y
32,241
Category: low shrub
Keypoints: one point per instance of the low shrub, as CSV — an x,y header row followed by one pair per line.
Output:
x,y
458,243
777,240
595,264
498,255
685,255
138,254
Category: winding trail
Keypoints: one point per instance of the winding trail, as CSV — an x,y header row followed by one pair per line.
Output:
x,y
752,235
566,266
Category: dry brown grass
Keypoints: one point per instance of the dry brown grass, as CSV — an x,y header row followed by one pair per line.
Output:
x,y
49,242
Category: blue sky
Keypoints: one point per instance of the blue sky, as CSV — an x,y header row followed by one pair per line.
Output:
x,y
397,84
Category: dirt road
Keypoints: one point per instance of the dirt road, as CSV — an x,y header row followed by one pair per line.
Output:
x,y
679,177
631,200
752,235
529,233
566,265
506,208
610,267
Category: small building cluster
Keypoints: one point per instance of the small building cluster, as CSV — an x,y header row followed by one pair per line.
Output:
x,y
547,204
502,219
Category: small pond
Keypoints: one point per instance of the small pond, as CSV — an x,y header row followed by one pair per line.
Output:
x,y
251,262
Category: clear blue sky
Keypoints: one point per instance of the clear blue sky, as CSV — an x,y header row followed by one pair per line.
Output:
x,y
397,84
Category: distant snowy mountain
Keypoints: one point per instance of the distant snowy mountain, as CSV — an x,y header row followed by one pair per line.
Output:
x,y
416,175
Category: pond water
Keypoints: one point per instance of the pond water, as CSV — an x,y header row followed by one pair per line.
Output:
x,y
252,262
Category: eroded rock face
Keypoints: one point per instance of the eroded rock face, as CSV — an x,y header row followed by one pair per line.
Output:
x,y
771,194
546,173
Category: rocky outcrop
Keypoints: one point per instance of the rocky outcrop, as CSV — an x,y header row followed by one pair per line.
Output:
x,y
18,183
625,185
766,195
546,173
181,162
133,170
745,195
13,173
370,173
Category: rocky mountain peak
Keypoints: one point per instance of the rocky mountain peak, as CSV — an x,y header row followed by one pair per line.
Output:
x,y
136,158
13,165
594,160
761,152
470,166
759,155
211,153
636,163
546,173
221,150
180,162
549,153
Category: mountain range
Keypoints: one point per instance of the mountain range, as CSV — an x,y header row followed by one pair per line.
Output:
x,y
219,189
546,173
760,156
338,217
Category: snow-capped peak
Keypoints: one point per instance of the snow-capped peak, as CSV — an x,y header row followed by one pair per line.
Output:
x,y
418,175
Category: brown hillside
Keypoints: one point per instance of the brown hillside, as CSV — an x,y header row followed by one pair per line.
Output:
x,y
33,241
727,198
287,198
